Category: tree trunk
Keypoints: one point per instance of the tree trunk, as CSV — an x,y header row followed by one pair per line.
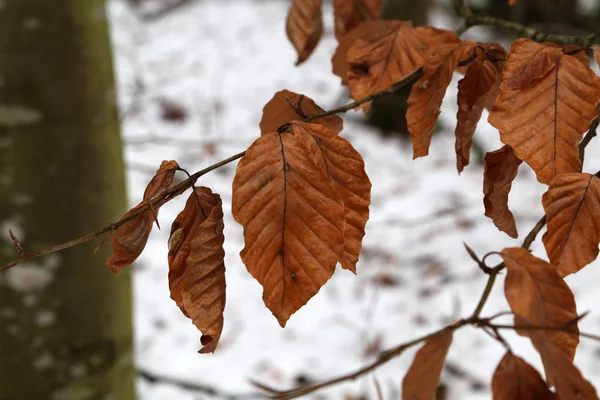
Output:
x,y
65,320
389,113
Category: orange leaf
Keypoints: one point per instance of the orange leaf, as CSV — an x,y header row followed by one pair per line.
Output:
x,y
547,101
377,64
340,161
422,379
476,91
596,51
499,170
572,205
288,106
578,52
515,379
560,371
304,27
538,296
512,2
368,31
349,14
129,240
293,221
196,266
427,94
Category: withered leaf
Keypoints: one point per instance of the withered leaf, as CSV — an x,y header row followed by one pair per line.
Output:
x,y
293,219
476,91
196,265
546,103
572,206
340,161
378,63
129,240
422,379
349,14
514,379
288,106
538,296
596,51
304,27
560,372
499,170
367,31
428,92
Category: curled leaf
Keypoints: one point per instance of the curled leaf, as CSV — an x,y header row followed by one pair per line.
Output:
x,y
572,205
340,161
196,266
546,103
377,64
348,14
129,240
499,170
286,106
422,379
304,27
538,296
293,221
514,379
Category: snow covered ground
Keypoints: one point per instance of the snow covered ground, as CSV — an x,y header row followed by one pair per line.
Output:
x,y
221,61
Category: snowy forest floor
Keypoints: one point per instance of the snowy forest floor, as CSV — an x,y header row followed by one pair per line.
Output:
x,y
192,86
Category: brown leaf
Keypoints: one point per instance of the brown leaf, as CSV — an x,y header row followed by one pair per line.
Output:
x,y
499,170
349,14
196,265
293,221
596,51
340,161
476,91
512,2
377,64
514,379
368,31
560,371
422,379
427,94
538,296
553,102
578,52
304,27
572,206
129,240
288,106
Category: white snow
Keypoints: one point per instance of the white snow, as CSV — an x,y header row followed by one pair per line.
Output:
x,y
222,61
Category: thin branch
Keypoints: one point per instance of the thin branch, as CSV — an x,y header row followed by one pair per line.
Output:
x,y
166,195
471,19
546,328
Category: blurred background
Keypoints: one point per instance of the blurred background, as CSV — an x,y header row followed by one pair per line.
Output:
x,y
94,94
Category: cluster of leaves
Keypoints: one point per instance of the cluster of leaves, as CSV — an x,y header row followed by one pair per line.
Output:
x,y
302,195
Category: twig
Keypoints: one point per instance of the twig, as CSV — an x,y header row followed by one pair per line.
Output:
x,y
471,19
195,387
166,195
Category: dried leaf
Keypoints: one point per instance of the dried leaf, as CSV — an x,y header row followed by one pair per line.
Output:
x,y
546,102
304,27
538,296
129,240
288,106
572,206
514,379
476,91
368,31
293,221
340,161
499,170
377,64
596,51
578,52
560,372
512,2
422,379
196,265
428,92
349,14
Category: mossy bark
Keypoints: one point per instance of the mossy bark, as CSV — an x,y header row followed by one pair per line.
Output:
x,y
65,320
389,113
